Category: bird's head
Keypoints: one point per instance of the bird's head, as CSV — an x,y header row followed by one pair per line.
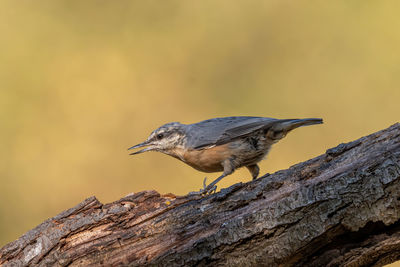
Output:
x,y
163,139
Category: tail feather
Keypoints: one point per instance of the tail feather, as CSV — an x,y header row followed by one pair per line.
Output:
x,y
290,124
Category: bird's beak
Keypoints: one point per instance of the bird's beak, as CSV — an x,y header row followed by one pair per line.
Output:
x,y
145,143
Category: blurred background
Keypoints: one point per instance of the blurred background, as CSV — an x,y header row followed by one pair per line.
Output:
x,y
81,81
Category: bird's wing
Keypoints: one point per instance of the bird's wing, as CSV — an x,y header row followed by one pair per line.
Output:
x,y
220,131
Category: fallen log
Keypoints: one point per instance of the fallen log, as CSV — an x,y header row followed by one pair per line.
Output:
x,y
339,209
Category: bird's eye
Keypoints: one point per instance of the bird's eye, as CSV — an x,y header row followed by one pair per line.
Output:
x,y
160,136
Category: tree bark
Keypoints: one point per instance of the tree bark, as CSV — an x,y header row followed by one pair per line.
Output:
x,y
339,209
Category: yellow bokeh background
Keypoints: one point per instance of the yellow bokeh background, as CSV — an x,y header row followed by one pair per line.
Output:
x,y
81,81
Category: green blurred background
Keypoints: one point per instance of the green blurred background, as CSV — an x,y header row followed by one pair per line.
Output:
x,y
81,81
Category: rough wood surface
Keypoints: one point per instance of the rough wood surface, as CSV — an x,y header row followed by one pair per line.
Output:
x,y
339,209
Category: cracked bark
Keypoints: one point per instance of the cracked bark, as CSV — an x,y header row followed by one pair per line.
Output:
x,y
339,209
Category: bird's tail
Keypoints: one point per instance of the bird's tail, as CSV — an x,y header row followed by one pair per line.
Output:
x,y
290,124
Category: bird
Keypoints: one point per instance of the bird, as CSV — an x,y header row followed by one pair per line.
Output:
x,y
221,144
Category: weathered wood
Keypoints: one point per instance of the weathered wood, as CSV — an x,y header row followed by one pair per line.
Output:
x,y
341,208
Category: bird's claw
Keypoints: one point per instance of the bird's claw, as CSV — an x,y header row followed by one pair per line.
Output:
x,y
205,190
195,193
212,190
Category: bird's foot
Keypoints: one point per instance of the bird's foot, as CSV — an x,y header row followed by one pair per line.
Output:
x,y
205,190
208,189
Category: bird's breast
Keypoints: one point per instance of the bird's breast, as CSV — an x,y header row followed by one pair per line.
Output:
x,y
208,159
242,152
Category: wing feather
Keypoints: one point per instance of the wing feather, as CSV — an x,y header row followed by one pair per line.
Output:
x,y
220,131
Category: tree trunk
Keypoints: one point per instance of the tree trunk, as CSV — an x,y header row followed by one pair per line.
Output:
x,y
341,208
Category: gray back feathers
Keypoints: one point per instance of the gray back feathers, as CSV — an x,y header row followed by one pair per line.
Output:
x,y
219,131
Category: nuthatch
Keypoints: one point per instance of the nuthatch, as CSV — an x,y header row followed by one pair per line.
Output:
x,y
221,144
